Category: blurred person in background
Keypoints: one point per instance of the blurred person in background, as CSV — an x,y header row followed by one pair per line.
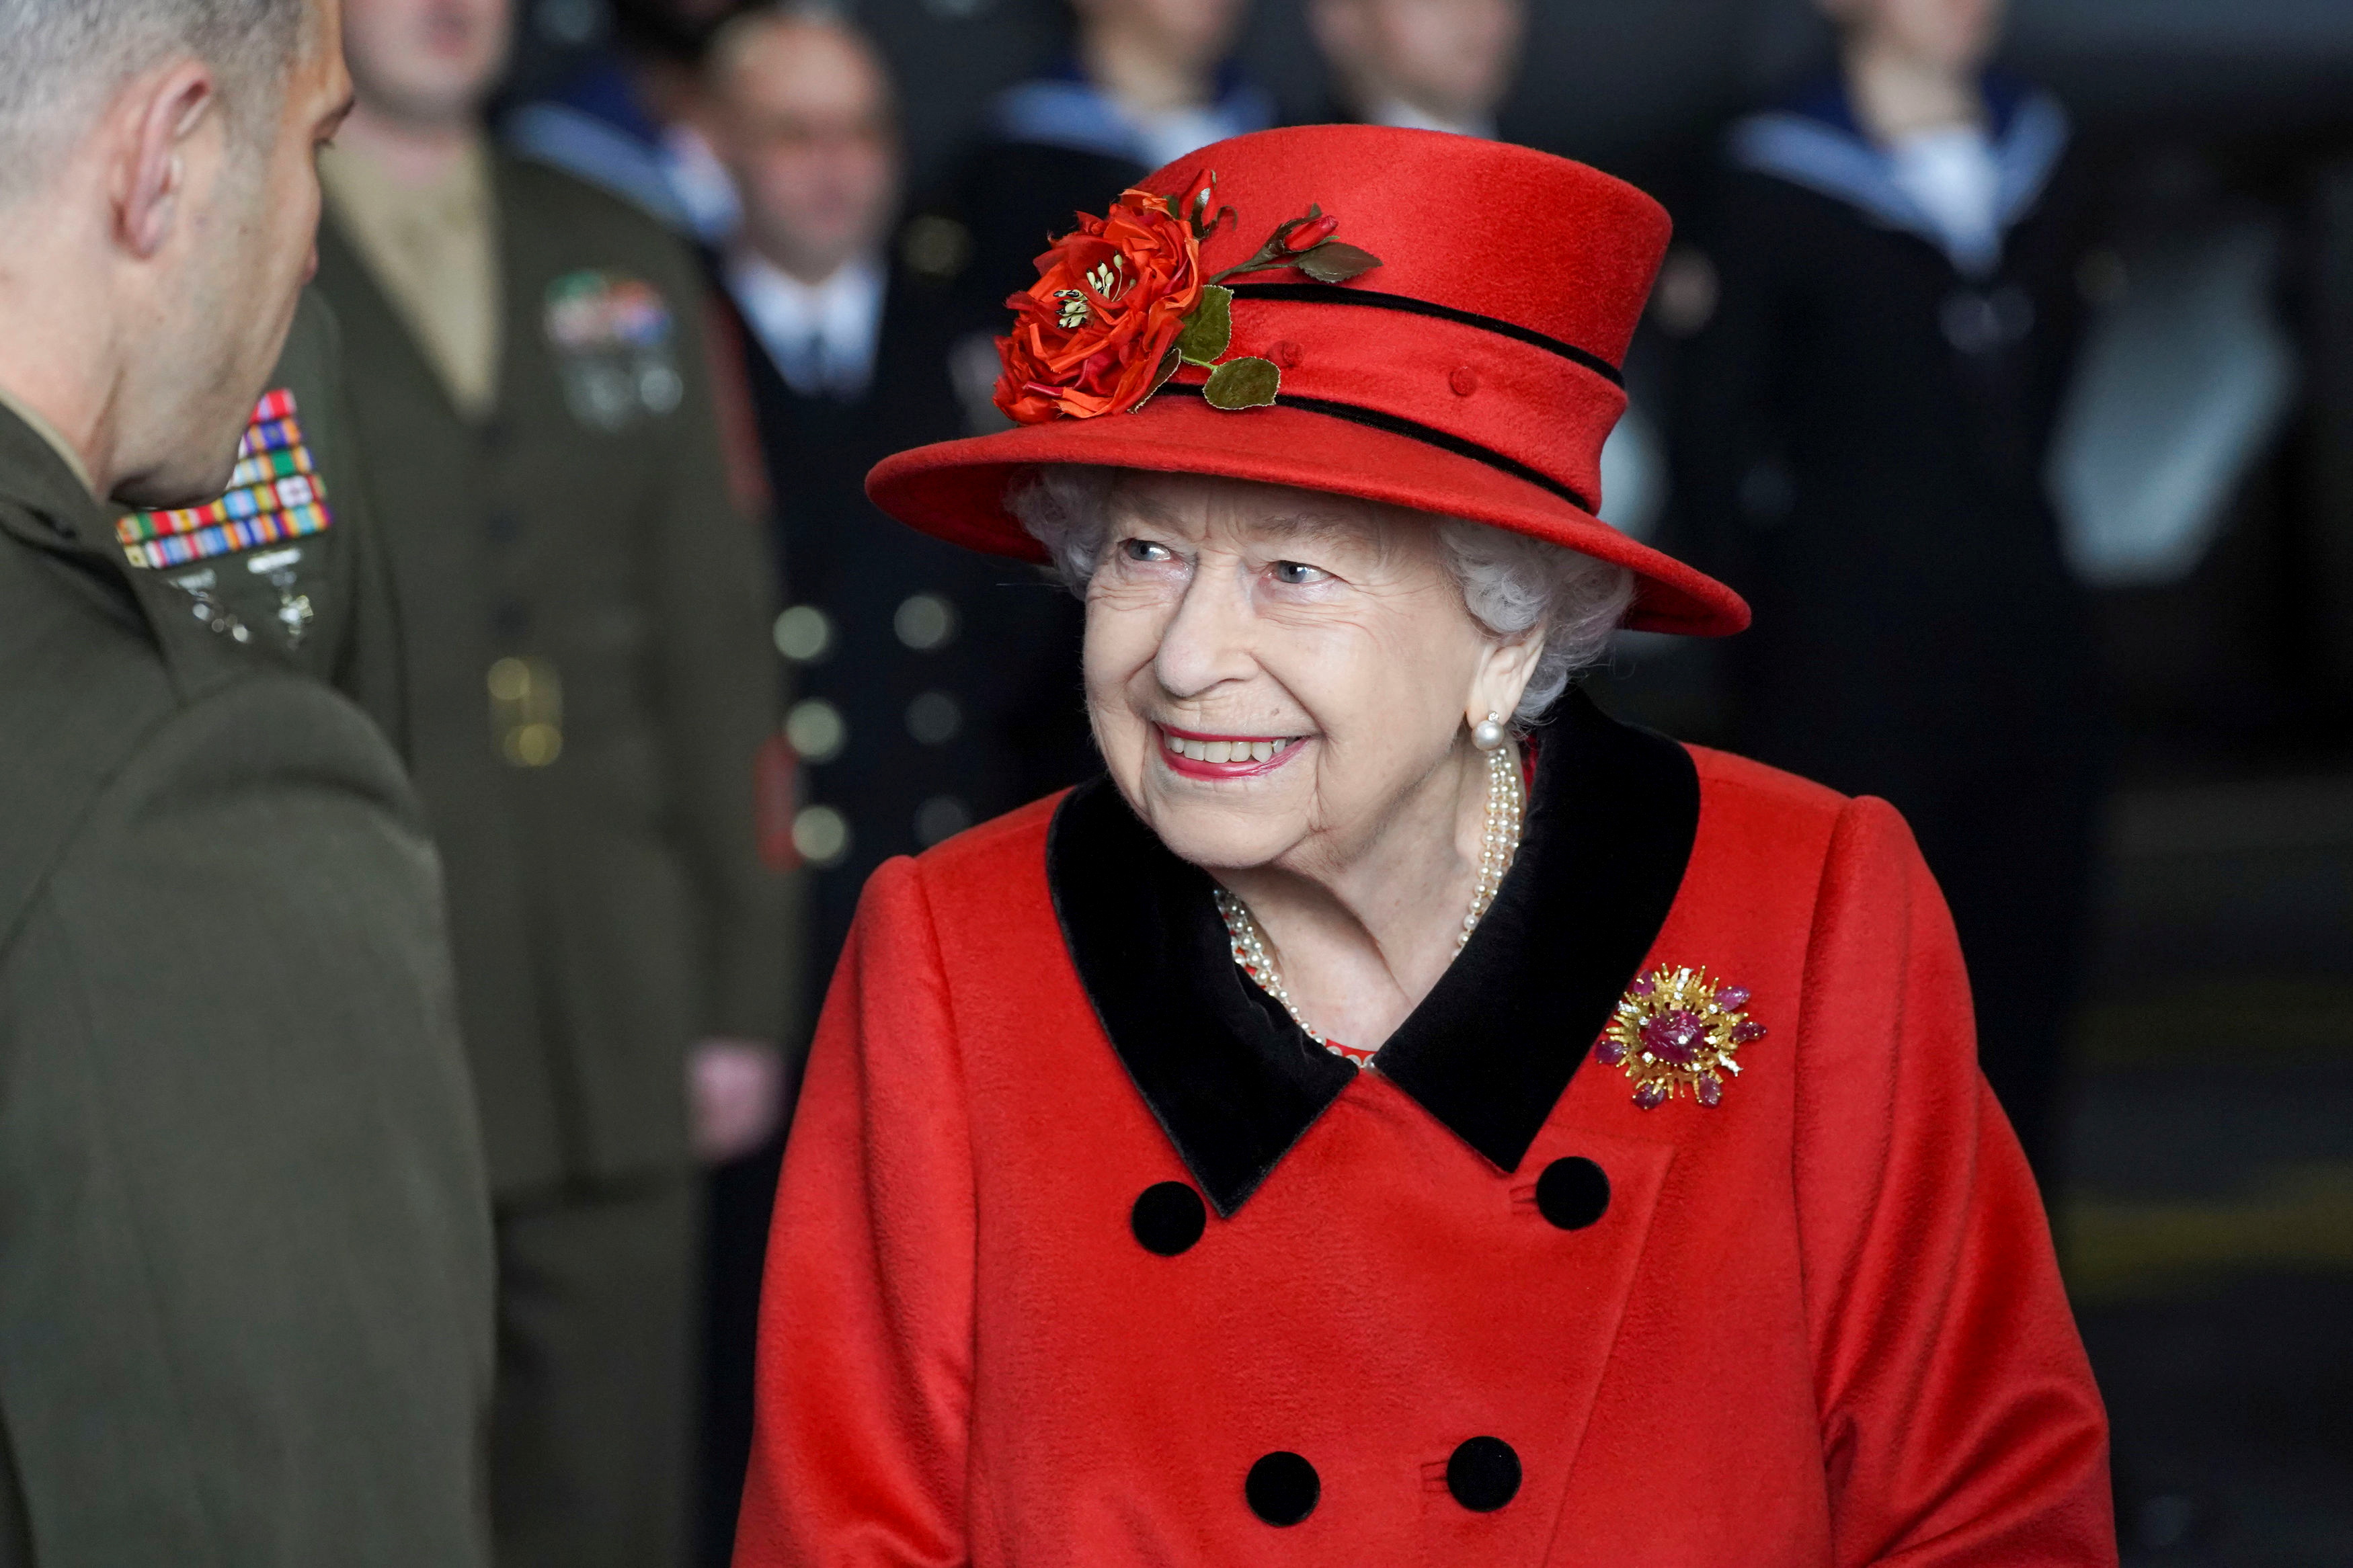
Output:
x,y
245,1268
1447,65
627,120
1888,302
1431,65
903,740
1146,82
585,613
906,733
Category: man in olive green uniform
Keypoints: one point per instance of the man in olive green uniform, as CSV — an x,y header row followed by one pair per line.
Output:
x,y
585,616
244,1251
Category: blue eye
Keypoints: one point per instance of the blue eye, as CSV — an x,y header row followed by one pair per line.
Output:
x,y
1145,550
1296,573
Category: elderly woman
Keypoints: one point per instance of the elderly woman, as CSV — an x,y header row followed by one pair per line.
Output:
x,y
1399,1114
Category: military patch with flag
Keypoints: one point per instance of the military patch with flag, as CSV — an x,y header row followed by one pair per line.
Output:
x,y
275,494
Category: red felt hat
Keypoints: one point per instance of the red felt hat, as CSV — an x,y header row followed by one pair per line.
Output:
x,y
1473,372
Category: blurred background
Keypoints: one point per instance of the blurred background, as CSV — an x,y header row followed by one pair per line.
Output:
x,y
2201,1165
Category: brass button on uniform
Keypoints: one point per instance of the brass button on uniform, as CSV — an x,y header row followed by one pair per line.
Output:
x,y
804,634
937,246
821,835
924,622
942,816
509,679
934,719
526,710
534,745
816,729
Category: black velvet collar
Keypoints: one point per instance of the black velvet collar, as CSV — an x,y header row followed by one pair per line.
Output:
x,y
1234,1083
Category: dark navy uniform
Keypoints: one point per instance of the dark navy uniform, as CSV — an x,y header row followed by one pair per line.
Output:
x,y
934,688
1862,434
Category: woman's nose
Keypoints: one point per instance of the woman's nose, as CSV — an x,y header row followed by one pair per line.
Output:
x,y
1207,640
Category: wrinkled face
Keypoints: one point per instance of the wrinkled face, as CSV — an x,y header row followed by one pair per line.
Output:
x,y
1197,32
802,116
1953,35
1453,57
248,245
1273,673
430,62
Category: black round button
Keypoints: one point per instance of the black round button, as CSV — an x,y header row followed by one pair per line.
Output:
x,y
1168,1218
1282,1489
1483,1475
1572,1192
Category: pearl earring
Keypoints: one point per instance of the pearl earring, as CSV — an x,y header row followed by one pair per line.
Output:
x,y
1488,733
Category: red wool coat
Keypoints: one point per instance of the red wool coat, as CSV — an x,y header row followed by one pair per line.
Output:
x,y
1472,1305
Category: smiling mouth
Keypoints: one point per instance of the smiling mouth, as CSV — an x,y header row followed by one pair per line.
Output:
x,y
1225,754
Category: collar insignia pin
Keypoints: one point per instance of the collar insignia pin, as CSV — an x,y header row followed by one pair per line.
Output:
x,y
1676,1030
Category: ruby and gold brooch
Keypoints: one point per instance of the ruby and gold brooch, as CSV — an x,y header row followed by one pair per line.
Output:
x,y
1675,1031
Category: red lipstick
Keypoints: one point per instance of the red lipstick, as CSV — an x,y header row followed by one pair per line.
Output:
x,y
1198,756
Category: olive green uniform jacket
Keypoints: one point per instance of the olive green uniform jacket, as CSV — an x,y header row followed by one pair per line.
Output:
x,y
244,1246
589,680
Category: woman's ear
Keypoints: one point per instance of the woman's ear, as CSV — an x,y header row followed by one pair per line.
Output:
x,y
1505,671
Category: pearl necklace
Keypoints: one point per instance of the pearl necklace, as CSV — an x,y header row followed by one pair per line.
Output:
x,y
1506,807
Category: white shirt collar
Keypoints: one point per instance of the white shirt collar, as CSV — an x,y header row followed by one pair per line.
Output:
x,y
822,336
1955,176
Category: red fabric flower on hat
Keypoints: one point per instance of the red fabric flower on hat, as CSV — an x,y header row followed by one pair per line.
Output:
x,y
1120,304
1097,332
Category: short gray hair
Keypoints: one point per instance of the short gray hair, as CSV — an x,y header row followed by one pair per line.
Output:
x,y
733,37
1512,582
61,59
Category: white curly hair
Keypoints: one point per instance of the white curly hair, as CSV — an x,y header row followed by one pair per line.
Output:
x,y
1511,583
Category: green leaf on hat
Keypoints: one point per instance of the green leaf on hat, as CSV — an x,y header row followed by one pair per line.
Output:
x,y
1168,364
1210,330
1244,384
1333,262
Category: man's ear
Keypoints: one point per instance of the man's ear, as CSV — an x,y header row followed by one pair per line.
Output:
x,y
164,113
